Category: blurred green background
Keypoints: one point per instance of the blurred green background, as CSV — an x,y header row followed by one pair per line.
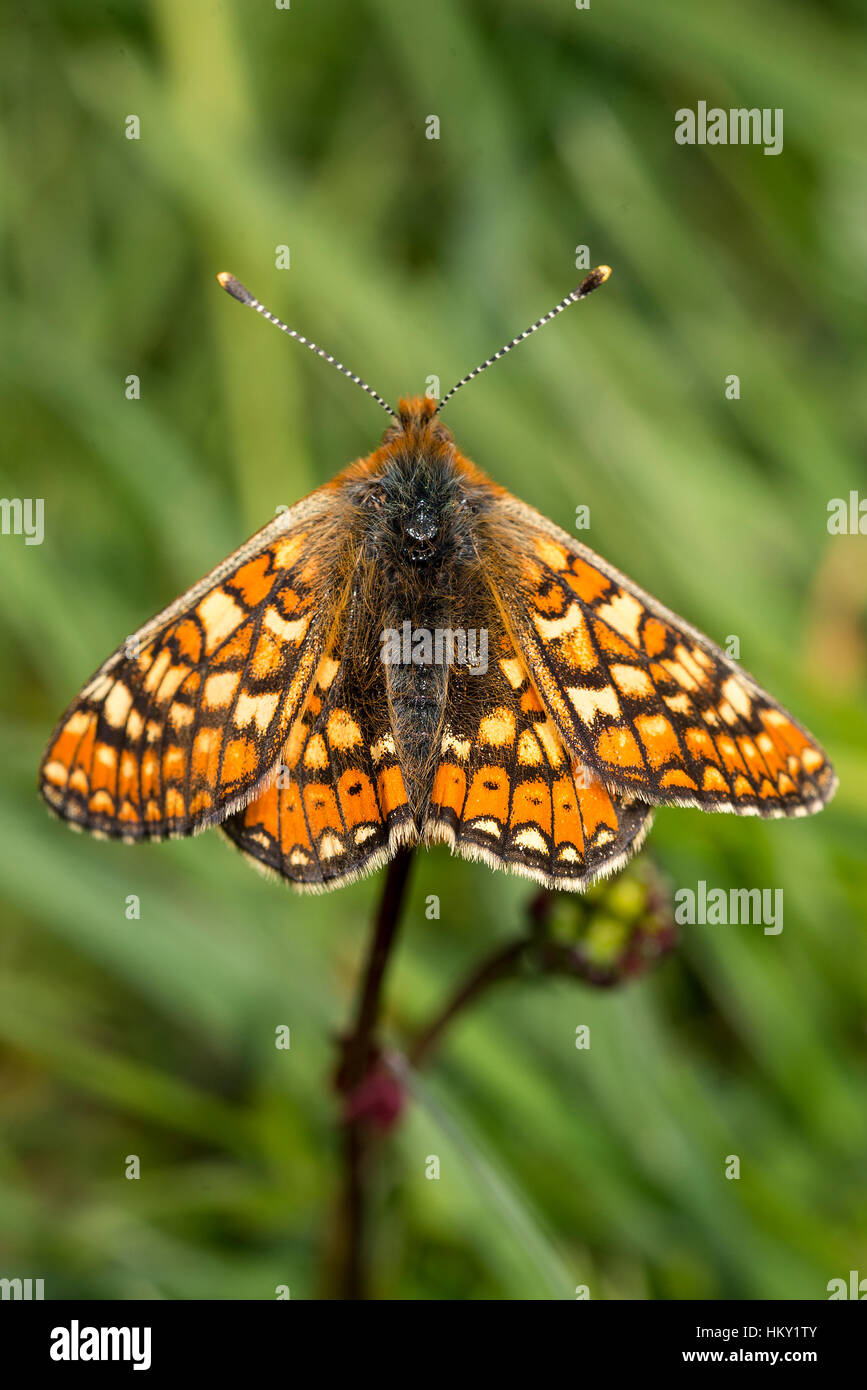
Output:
x,y
410,257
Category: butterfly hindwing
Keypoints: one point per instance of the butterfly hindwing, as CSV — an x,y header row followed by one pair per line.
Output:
x,y
505,790
183,721
337,807
651,705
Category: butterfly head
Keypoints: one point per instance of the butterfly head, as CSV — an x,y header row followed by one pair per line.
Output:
x,y
417,424
413,486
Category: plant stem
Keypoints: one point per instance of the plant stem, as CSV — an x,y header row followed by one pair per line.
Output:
x,y
351,1282
360,1043
497,966
359,1050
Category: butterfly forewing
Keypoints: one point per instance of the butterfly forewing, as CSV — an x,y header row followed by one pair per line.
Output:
x,y
649,703
182,723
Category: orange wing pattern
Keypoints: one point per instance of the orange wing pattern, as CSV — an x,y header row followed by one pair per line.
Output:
x,y
261,699
182,723
506,790
337,807
650,704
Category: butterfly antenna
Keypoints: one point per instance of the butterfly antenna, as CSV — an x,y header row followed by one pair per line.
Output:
x,y
243,296
590,283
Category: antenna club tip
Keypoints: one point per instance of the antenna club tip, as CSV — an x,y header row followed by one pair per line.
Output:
x,y
591,282
234,287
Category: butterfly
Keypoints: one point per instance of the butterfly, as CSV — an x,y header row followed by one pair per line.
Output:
x,y
412,655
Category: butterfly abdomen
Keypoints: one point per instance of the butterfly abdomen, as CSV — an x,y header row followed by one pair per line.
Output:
x,y
424,587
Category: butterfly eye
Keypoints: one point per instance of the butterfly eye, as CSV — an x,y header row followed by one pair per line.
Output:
x,y
374,499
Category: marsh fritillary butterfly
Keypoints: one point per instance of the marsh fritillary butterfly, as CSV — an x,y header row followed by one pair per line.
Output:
x,y
264,701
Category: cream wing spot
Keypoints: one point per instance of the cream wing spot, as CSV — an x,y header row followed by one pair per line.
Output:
x,y
588,704
529,838
631,680
117,705
79,722
551,553
689,663
292,631
219,615
173,678
734,692
286,552
205,742
680,674
550,629
487,826
343,732
550,741
460,747
498,728
257,709
330,846
316,754
220,689
181,716
326,671
623,613
678,704
156,670
513,671
529,750
383,748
